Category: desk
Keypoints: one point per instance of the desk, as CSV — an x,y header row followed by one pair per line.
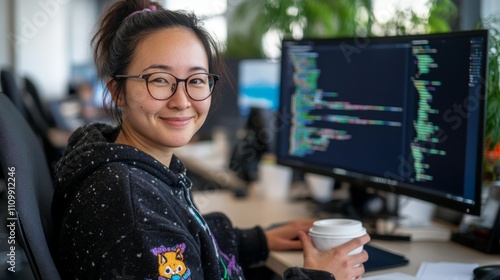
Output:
x,y
203,158
255,210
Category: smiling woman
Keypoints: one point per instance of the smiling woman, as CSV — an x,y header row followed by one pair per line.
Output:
x,y
122,203
155,118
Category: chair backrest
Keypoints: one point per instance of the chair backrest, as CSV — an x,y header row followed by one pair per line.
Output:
x,y
10,88
27,105
32,90
22,159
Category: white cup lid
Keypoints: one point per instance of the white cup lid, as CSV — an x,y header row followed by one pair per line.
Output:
x,y
338,236
336,227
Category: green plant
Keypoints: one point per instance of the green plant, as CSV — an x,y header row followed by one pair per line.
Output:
x,y
251,20
492,130
441,14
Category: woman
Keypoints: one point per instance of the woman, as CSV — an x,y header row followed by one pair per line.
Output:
x,y
122,206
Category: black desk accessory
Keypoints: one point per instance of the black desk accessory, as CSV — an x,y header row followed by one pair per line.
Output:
x,y
382,259
483,233
487,272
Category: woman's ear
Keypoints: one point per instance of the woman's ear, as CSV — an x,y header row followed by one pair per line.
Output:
x,y
117,98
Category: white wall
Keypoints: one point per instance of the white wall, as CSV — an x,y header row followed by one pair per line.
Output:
x,y
41,44
4,41
51,36
83,18
215,10
490,7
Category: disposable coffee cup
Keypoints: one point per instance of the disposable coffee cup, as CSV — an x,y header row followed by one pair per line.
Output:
x,y
330,233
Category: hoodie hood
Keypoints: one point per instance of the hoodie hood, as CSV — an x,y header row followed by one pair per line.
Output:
x,y
92,146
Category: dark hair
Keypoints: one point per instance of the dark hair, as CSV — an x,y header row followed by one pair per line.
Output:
x,y
119,33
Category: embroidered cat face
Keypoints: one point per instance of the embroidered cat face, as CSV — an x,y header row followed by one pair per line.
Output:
x,y
171,264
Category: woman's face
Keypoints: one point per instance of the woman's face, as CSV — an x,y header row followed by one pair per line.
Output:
x,y
154,125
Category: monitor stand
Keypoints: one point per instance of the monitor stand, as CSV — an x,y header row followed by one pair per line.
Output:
x,y
389,216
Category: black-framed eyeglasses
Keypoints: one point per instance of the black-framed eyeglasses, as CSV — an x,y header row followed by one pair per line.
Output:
x,y
162,85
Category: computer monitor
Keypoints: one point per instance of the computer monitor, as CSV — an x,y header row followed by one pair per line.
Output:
x,y
258,85
403,114
258,101
224,112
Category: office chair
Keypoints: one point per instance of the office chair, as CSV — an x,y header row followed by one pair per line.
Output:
x,y
23,159
9,87
42,121
256,139
32,90
26,104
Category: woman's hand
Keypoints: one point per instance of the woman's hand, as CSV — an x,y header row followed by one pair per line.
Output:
x,y
286,237
336,261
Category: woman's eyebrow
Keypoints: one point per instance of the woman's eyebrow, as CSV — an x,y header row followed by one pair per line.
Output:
x,y
168,68
159,67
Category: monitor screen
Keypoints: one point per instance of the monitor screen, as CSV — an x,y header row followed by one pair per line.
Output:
x,y
403,114
224,112
258,85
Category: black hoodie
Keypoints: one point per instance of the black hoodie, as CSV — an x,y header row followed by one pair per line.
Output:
x,y
120,214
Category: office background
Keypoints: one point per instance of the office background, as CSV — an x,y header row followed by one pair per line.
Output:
x,y
47,39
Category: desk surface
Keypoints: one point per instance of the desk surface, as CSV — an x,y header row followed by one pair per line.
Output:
x,y
257,210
